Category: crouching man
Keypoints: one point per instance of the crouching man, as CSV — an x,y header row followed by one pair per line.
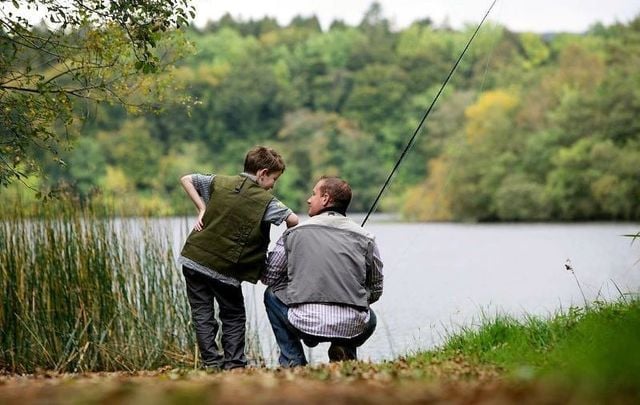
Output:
x,y
322,277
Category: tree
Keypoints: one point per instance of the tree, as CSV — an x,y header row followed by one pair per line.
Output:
x,y
87,166
96,50
377,103
427,54
595,179
479,157
135,151
520,198
320,143
429,201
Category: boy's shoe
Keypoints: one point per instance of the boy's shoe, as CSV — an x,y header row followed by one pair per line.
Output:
x,y
237,370
212,364
211,368
341,353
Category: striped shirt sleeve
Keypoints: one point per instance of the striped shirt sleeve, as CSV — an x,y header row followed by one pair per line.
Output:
x,y
276,269
202,184
374,276
276,212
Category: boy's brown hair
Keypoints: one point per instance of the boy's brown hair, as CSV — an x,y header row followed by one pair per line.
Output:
x,y
261,157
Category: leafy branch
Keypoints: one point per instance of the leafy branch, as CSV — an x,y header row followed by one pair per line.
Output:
x,y
96,50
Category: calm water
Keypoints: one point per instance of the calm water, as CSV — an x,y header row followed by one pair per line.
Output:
x,y
439,277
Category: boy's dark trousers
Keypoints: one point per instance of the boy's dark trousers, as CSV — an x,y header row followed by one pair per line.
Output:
x,y
201,291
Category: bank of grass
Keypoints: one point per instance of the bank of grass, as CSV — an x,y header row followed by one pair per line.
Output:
x,y
85,291
594,350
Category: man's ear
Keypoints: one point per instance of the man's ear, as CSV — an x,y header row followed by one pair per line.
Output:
x,y
326,199
262,172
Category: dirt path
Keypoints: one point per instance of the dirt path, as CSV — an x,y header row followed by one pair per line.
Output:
x,y
328,384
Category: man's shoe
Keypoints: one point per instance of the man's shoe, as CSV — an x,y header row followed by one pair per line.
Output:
x,y
341,353
310,343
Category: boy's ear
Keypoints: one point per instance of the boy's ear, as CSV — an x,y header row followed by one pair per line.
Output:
x,y
262,172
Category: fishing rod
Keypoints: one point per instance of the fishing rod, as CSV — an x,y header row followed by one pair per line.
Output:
x,y
424,117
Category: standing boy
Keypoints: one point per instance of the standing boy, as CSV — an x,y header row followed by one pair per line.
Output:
x,y
228,245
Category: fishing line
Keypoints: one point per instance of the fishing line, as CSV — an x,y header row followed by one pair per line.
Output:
x,y
424,117
490,54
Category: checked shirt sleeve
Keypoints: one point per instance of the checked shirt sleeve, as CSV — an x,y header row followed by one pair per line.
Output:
x,y
375,279
276,269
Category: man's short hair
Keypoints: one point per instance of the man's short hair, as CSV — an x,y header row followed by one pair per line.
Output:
x,y
261,157
339,191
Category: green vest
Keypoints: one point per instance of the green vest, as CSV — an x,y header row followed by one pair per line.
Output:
x,y
234,239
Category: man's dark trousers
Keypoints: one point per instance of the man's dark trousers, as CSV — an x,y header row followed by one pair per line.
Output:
x,y
289,338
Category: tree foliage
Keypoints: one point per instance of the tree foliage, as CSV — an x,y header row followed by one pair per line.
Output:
x,y
531,127
96,50
557,144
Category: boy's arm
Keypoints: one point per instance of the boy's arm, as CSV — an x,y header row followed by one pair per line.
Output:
x,y
187,184
278,213
292,220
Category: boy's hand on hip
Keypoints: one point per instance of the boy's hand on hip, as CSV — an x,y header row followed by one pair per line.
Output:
x,y
199,225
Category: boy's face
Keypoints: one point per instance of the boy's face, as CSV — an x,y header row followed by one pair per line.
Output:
x,y
267,180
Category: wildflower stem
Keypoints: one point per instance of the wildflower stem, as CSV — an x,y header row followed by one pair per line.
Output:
x,y
586,304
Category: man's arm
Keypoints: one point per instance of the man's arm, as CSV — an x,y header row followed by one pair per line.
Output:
x,y
276,269
187,184
375,277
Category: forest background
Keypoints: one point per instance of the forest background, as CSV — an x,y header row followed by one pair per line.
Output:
x,y
532,127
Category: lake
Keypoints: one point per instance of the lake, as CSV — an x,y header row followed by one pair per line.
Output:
x,y
441,276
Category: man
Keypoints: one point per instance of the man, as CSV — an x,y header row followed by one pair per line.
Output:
x,y
322,277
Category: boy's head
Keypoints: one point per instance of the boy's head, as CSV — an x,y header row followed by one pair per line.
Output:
x,y
266,164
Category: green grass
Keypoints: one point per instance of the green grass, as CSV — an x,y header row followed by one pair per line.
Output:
x,y
85,291
595,349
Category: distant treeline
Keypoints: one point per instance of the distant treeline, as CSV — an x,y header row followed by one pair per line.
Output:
x,y
531,127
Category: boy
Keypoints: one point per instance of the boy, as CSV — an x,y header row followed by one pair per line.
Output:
x,y
228,245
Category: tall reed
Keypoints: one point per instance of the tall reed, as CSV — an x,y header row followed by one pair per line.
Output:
x,y
85,291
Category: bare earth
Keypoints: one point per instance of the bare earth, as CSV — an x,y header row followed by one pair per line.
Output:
x,y
451,382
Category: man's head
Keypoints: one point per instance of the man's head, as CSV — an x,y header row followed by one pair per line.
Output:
x,y
329,192
266,164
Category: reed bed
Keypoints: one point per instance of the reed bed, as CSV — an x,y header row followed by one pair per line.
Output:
x,y
83,290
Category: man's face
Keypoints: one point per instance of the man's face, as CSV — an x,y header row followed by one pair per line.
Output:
x,y
318,200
